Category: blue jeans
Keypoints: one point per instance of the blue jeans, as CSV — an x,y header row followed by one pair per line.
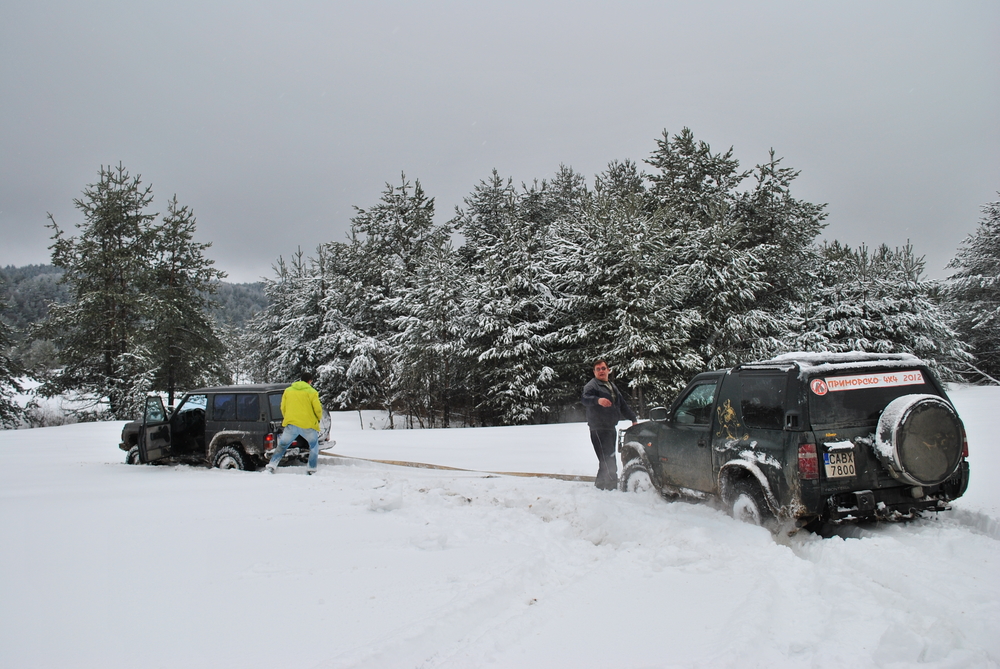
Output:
x,y
288,435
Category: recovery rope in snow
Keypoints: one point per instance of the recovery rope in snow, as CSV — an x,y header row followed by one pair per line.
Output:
x,y
423,465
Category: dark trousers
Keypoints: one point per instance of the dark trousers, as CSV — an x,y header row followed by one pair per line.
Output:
x,y
605,440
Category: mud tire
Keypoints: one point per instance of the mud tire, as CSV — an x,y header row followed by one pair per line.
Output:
x,y
636,477
132,457
230,457
746,503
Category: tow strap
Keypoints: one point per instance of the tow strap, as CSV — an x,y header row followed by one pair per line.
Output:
x,y
423,465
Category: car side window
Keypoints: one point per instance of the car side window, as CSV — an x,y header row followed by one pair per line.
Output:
x,y
154,411
247,407
193,403
763,402
224,407
696,408
275,400
190,415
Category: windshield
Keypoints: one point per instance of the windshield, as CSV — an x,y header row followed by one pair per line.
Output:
x,y
849,399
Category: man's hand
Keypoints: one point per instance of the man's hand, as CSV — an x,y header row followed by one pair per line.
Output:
x,y
604,402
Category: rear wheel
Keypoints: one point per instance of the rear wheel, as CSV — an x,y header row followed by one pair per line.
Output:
x,y
746,503
635,477
230,457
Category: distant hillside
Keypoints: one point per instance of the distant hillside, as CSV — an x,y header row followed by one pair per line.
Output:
x,y
238,302
27,291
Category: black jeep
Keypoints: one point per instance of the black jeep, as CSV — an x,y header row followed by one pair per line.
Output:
x,y
231,427
806,439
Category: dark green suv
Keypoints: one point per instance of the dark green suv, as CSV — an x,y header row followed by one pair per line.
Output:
x,y
232,427
806,439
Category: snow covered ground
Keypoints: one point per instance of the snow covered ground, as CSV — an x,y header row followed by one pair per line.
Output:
x,y
370,565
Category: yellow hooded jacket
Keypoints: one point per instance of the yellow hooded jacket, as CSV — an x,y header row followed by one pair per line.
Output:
x,y
300,406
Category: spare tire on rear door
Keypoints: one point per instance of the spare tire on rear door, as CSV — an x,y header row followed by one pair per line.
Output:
x,y
919,439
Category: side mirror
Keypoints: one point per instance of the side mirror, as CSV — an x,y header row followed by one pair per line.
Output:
x,y
658,414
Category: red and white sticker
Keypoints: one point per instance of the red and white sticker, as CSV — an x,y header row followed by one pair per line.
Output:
x,y
881,380
819,387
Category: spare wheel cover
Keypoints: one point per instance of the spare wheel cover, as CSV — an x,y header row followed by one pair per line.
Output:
x,y
919,439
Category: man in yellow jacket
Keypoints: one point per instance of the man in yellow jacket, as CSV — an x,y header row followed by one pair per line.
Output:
x,y
301,413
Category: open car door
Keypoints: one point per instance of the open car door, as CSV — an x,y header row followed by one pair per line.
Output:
x,y
686,443
154,438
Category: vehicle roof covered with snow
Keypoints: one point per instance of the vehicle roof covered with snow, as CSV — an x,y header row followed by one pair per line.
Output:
x,y
829,363
243,388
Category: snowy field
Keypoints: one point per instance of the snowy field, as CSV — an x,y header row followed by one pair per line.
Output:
x,y
371,565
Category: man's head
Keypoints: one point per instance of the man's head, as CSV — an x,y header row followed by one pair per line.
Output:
x,y
306,376
601,369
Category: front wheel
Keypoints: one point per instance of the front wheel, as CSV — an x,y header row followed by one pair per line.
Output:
x,y
746,503
230,457
635,477
132,457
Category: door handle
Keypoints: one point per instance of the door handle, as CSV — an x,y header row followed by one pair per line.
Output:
x,y
701,442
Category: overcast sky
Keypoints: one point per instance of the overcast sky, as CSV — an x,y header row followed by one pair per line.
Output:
x,y
272,120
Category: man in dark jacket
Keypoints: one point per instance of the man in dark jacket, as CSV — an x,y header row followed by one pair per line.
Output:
x,y
605,407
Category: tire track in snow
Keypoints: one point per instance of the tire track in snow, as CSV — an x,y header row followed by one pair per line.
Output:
x,y
493,607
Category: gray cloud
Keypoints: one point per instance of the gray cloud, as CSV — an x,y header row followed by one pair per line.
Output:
x,y
272,119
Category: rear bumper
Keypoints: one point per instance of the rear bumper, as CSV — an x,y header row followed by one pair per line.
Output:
x,y
293,452
892,504
897,503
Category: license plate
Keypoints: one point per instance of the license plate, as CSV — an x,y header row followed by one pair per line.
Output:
x,y
839,464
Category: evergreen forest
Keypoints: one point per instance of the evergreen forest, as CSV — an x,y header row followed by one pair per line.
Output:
x,y
493,316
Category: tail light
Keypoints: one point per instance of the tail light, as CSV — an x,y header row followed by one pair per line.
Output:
x,y
808,464
965,444
269,441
